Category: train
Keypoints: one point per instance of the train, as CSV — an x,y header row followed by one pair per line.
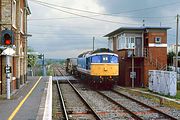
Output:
x,y
99,68
71,65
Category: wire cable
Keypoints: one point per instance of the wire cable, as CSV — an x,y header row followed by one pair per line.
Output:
x,y
129,11
109,21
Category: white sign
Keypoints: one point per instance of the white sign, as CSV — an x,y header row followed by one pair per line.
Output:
x,y
132,74
8,51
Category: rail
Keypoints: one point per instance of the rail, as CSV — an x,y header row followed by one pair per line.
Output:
x,y
145,105
62,101
127,110
84,101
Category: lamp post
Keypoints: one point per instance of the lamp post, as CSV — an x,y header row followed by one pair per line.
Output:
x,y
43,65
8,52
132,74
133,69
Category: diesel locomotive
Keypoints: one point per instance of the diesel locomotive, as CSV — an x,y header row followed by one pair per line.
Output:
x,y
99,68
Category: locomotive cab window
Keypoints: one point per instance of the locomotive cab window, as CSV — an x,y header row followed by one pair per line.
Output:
x,y
113,59
96,59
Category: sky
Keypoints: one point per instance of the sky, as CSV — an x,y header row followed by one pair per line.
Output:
x,y
65,28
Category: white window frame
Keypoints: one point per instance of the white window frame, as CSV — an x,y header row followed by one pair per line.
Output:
x,y
126,42
110,44
14,13
158,40
117,42
21,21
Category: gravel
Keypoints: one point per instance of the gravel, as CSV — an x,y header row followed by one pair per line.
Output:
x,y
171,111
105,109
75,107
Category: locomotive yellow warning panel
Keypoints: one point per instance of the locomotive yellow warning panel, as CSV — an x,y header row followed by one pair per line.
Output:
x,y
104,69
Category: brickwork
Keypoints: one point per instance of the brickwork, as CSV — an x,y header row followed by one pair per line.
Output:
x,y
1,76
18,68
156,56
6,11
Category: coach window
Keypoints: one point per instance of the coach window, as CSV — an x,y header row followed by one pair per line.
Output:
x,y
96,59
88,60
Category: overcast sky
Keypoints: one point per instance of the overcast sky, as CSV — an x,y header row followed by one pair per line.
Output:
x,y
60,29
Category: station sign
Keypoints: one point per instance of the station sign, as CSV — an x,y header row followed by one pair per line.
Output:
x,y
132,74
7,69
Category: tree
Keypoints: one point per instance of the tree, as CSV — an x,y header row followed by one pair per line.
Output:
x,y
32,58
170,57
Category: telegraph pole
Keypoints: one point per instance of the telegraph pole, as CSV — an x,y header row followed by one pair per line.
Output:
x,y
143,23
177,30
43,64
93,42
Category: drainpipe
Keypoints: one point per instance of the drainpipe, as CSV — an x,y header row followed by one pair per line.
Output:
x,y
18,45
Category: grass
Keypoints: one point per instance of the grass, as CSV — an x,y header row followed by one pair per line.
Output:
x,y
173,97
178,85
158,99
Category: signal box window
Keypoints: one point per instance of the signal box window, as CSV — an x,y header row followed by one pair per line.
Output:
x,y
158,40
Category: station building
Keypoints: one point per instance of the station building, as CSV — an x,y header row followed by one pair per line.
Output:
x,y
13,16
146,46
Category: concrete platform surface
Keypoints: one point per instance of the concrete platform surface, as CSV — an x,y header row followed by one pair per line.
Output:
x,y
27,102
63,78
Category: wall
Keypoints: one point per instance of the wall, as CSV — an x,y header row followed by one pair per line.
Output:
x,y
18,62
157,56
143,65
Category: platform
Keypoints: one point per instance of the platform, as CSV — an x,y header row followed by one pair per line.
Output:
x,y
64,78
31,102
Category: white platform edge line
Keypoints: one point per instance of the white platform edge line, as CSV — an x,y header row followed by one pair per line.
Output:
x,y
48,105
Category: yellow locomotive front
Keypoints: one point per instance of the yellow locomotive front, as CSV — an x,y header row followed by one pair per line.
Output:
x,y
104,66
105,69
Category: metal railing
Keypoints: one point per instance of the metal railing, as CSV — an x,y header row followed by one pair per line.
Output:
x,y
154,61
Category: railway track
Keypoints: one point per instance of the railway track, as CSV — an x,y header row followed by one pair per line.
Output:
x,y
102,105
134,107
108,111
71,110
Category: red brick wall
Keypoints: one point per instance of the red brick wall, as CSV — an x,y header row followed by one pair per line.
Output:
x,y
0,58
126,68
142,65
157,53
152,35
14,72
1,75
